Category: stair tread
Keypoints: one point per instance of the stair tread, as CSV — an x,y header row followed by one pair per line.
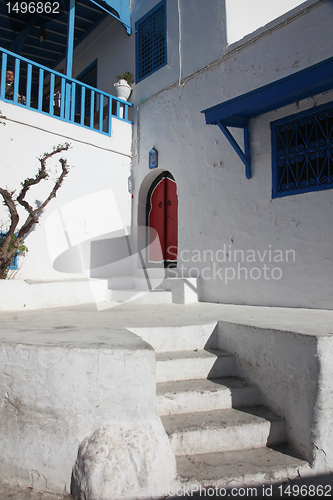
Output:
x,y
200,385
197,353
240,466
228,417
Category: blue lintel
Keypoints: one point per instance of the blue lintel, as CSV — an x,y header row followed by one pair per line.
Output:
x,y
120,9
237,112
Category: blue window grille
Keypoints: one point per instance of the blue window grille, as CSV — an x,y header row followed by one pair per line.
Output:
x,y
88,76
302,152
151,49
14,263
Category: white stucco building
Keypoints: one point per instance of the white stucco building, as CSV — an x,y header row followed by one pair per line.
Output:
x,y
223,150
245,239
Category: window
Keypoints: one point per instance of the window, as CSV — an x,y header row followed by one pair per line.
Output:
x,y
302,152
88,76
151,52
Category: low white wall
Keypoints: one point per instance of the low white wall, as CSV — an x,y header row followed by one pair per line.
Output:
x,y
56,393
295,375
18,295
93,199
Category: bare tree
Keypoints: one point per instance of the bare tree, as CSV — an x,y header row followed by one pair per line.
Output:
x,y
15,236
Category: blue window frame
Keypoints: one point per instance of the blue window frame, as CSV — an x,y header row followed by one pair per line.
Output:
x,y
14,263
151,48
88,76
302,152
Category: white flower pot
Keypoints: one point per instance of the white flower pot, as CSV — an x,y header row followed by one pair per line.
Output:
x,y
123,89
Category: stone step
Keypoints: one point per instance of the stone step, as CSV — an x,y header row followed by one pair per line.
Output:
x,y
196,364
224,430
188,396
238,468
134,282
139,296
179,338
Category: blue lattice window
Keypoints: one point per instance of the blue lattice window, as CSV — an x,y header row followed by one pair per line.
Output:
x,y
151,49
302,152
14,263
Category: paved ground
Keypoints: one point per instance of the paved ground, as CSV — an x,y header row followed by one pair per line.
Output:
x,y
18,494
53,325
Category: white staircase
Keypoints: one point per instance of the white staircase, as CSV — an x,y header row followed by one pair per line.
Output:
x,y
218,428
151,287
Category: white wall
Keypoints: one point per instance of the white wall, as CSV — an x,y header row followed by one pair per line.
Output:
x,y
217,205
295,379
196,35
245,16
113,49
97,182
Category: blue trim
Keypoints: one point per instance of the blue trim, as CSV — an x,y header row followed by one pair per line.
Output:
x,y
296,87
301,159
119,9
70,38
238,111
244,156
150,42
68,88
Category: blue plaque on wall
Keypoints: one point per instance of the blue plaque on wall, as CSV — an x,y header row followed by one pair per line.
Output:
x,y
153,158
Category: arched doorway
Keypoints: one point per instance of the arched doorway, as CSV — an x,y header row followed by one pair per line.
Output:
x,y
162,217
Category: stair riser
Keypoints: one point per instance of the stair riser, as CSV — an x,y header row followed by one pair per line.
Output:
x,y
178,338
192,401
188,369
241,437
140,297
129,282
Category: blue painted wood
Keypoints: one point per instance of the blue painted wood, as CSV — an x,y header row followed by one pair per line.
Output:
x,y
83,100
101,113
244,156
51,93
29,80
109,116
300,85
122,7
67,101
62,98
92,108
73,89
70,38
40,89
16,80
3,75
247,150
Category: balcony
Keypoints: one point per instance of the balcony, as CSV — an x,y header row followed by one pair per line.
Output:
x,y
51,93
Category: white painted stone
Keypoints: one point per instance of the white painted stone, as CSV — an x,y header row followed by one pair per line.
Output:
x,y
289,369
194,364
184,290
125,460
58,386
19,294
229,429
176,338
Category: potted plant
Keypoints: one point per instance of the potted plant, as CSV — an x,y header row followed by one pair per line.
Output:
x,y
123,88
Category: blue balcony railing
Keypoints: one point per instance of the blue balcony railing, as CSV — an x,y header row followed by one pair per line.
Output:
x,y
46,91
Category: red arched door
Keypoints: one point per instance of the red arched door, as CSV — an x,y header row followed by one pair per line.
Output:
x,y
162,218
